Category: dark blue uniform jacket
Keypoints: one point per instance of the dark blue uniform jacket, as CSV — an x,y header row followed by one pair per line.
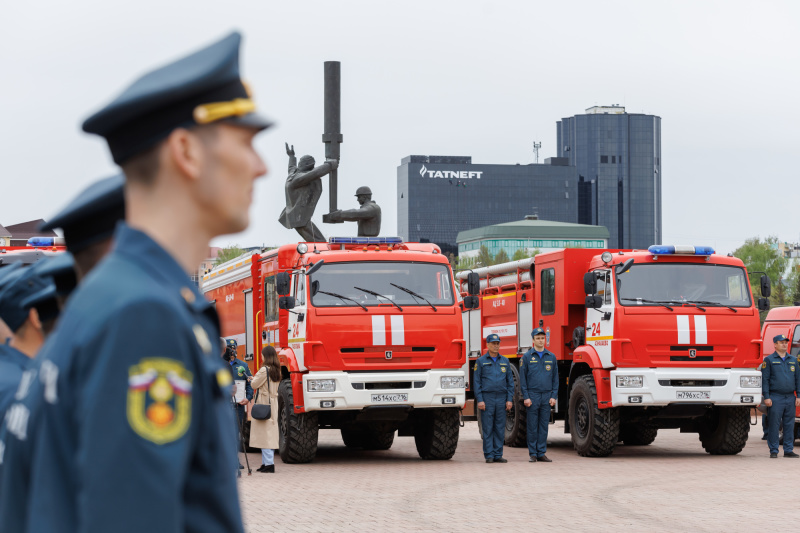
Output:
x,y
779,375
239,370
492,376
12,365
130,428
538,374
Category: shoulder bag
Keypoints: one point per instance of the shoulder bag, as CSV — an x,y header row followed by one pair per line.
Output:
x,y
261,411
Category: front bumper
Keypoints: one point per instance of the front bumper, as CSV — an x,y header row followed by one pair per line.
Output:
x,y
654,392
356,390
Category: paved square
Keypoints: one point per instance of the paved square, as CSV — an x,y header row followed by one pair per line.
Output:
x,y
671,485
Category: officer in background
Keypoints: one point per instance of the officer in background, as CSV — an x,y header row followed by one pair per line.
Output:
x,y
538,376
140,397
239,372
780,382
494,392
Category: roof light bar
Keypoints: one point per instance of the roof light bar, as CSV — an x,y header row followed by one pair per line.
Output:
x,y
665,249
365,240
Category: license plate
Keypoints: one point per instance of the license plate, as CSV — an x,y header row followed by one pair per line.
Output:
x,y
390,398
694,395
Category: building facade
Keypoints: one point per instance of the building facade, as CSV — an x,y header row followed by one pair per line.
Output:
x,y
617,156
530,235
439,196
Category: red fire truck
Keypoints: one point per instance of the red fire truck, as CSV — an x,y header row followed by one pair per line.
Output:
x,y
368,332
786,321
646,339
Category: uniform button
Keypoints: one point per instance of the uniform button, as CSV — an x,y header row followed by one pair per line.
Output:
x,y
188,295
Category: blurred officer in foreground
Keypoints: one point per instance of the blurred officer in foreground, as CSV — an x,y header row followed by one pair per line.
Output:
x,y
239,372
780,381
133,431
538,376
494,392
88,221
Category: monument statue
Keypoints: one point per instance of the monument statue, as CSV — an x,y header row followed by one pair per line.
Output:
x,y
303,190
368,215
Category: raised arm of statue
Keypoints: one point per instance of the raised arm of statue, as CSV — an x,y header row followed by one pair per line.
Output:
x,y
292,158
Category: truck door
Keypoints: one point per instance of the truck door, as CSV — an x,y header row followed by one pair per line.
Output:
x,y
795,348
600,322
248,325
297,319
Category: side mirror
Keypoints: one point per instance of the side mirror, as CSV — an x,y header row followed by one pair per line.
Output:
x,y
314,267
594,302
473,284
766,286
763,304
286,302
624,267
471,302
590,283
283,283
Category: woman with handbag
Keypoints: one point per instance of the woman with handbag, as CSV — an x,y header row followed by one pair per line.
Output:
x,y
264,423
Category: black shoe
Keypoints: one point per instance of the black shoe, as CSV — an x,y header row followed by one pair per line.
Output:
x,y
532,459
261,468
544,459
764,437
791,454
773,455
489,460
241,467
270,469
500,460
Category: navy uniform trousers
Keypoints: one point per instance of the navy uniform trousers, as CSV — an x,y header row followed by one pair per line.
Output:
x,y
538,420
493,420
781,413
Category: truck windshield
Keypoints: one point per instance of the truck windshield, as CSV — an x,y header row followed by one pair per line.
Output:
x,y
431,281
656,284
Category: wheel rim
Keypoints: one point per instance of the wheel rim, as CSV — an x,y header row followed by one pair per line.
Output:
x,y
582,415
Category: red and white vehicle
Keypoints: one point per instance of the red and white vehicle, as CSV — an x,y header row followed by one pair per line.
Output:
x,y
646,339
783,321
368,331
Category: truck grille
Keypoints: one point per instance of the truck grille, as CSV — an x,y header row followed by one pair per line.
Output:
x,y
692,382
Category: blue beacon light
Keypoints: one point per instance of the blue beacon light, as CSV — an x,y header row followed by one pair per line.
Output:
x,y
365,240
664,249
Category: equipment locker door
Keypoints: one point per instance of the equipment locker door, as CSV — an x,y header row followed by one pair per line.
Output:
x,y
297,323
600,322
248,325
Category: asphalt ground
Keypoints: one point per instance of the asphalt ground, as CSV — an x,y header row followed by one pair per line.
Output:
x,y
670,485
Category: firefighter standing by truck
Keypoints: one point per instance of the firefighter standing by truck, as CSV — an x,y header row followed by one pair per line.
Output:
x,y
538,376
494,389
780,383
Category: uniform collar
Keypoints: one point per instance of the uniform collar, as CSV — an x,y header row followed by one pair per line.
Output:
x,y
12,354
139,248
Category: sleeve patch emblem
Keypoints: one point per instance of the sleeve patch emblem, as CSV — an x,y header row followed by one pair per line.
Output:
x,y
159,399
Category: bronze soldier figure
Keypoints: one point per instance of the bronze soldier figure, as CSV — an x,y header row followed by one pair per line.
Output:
x,y
368,215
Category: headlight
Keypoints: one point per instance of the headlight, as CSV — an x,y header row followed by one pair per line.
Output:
x,y
321,385
634,382
452,382
750,382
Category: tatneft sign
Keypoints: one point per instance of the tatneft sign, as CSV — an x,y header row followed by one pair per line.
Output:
x,y
457,174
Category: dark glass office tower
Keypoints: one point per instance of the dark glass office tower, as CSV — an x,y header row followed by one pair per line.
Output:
x,y
618,160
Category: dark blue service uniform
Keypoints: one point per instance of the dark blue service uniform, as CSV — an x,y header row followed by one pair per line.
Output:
x,y
240,370
538,376
494,385
131,423
13,364
780,380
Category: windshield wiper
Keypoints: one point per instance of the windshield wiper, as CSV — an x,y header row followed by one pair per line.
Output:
x,y
719,304
412,293
380,296
664,304
344,298
689,302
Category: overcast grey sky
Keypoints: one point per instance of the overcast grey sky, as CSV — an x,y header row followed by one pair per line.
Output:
x,y
464,77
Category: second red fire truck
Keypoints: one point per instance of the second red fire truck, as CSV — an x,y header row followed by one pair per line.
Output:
x,y
368,332
645,339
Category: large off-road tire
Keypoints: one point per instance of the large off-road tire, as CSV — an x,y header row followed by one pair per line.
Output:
x,y
724,430
299,432
367,437
436,432
594,431
517,418
637,434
